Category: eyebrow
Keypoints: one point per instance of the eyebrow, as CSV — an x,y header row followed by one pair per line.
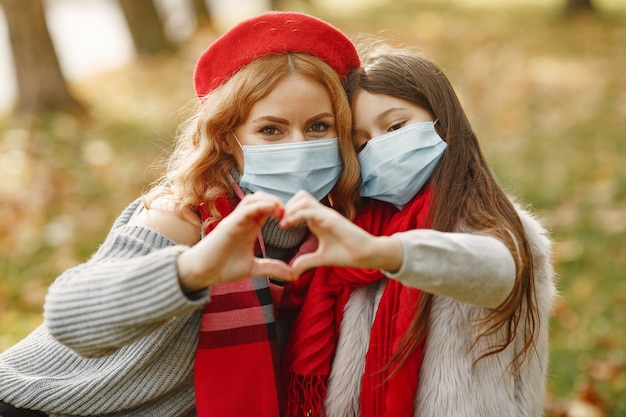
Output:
x,y
380,117
280,120
321,116
386,112
270,119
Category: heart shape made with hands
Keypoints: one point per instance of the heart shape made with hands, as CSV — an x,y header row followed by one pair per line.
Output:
x,y
335,240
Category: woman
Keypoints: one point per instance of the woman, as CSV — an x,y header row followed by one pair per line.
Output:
x,y
478,265
125,333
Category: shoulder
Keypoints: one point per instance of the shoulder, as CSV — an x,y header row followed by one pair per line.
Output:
x,y
182,227
541,249
536,232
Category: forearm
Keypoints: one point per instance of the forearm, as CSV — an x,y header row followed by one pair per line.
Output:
x,y
469,268
127,290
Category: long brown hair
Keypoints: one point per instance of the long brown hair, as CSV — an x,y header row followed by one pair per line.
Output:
x,y
198,166
466,194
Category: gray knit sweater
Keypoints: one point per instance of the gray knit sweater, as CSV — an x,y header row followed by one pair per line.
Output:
x,y
119,336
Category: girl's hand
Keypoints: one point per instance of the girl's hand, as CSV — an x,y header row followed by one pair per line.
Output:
x,y
341,243
227,253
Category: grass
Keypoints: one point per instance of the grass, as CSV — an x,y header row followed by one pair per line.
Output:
x,y
547,98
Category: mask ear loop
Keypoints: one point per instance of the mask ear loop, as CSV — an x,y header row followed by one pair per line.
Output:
x,y
237,139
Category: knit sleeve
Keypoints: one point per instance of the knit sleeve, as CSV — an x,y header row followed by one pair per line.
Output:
x,y
128,289
470,268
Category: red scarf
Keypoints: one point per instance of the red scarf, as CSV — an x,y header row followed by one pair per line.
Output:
x,y
237,366
385,391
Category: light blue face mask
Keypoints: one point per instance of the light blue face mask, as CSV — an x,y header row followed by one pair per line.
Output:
x,y
286,168
396,165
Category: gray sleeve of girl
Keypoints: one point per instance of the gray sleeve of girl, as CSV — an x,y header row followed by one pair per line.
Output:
x,y
470,268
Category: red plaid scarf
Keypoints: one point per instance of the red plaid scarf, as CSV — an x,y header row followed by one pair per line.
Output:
x,y
237,364
237,367
385,391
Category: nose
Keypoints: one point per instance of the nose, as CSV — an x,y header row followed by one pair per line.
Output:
x,y
297,136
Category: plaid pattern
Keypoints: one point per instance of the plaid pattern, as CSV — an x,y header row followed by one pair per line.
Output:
x,y
237,360
239,313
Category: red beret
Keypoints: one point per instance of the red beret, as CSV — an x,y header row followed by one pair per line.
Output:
x,y
271,33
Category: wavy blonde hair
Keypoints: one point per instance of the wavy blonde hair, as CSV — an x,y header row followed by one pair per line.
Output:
x,y
198,167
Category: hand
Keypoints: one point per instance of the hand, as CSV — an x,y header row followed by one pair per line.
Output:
x,y
340,242
227,253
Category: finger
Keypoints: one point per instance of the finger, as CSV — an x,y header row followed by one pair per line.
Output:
x,y
305,262
258,210
318,218
261,196
301,195
274,268
301,199
301,210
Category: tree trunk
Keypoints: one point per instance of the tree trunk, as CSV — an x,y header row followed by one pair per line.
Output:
x,y
577,6
146,27
41,85
202,12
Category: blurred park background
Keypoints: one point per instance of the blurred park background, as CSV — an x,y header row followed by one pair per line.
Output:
x,y
543,81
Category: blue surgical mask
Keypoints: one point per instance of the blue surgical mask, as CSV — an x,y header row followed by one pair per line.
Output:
x,y
286,168
396,165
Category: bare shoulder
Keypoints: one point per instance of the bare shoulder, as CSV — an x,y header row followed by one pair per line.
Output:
x,y
162,217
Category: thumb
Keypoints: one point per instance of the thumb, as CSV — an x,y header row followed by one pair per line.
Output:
x,y
305,262
274,268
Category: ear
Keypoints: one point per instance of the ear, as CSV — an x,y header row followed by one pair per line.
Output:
x,y
226,142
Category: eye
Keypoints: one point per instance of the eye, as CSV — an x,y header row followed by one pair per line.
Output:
x,y
360,147
270,131
395,126
319,127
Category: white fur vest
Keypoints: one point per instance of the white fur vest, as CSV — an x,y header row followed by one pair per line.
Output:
x,y
451,384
